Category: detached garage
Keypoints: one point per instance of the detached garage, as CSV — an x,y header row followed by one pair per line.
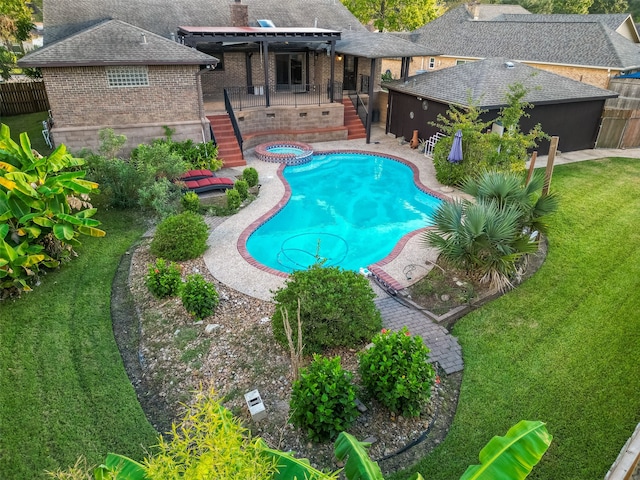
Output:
x,y
564,107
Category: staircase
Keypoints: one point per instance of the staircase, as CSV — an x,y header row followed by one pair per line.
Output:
x,y
355,129
228,149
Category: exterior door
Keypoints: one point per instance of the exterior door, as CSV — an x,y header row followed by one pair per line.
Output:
x,y
350,72
289,71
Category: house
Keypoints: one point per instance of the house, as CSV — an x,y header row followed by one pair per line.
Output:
x,y
564,107
255,68
587,48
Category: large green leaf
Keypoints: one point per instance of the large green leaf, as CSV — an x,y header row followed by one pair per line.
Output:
x,y
63,231
358,465
292,468
513,456
90,231
124,467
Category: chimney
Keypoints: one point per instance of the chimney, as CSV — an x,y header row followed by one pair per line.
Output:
x,y
474,9
239,14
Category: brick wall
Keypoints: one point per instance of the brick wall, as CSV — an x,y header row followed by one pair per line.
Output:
x,y
291,118
82,103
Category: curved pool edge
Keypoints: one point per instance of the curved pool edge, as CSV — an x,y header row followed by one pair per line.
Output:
x,y
377,267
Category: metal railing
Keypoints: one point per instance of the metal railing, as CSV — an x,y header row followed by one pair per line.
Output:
x,y
234,122
361,108
294,95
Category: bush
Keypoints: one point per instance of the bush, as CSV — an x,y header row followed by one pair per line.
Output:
x,y
190,201
243,189
119,180
160,197
233,199
250,174
180,237
323,400
162,279
337,308
396,371
199,297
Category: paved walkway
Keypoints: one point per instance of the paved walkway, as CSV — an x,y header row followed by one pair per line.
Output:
x,y
227,264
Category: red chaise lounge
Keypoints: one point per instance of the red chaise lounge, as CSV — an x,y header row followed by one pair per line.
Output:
x,y
200,181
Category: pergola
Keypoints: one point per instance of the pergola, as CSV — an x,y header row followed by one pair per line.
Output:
x,y
264,36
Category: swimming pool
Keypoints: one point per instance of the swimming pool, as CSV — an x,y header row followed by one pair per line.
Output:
x,y
348,208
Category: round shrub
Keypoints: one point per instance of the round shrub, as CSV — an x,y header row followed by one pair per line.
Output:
x,y
163,279
243,188
250,174
397,372
180,237
190,201
337,308
323,399
233,199
199,297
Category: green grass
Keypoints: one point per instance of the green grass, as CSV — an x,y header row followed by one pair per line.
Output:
x,y
562,348
63,388
32,124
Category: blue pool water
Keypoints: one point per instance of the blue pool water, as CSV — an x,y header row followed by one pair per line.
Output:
x,y
348,208
293,150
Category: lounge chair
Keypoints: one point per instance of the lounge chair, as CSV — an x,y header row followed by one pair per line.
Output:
x,y
197,175
208,184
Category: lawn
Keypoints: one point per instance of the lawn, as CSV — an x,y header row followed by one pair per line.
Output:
x,y
63,388
563,347
32,124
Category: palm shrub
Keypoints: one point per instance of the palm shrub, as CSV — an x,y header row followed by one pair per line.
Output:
x,y
44,208
180,237
199,297
163,279
336,308
489,237
397,372
323,399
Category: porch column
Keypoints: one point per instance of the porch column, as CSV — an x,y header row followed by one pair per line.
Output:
x,y
370,106
266,72
333,68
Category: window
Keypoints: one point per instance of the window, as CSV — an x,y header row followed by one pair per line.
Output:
x,y
460,62
128,76
432,62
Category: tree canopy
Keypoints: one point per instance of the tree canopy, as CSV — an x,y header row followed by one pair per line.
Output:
x,y
394,15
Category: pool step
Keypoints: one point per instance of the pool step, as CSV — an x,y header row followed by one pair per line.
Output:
x,y
228,149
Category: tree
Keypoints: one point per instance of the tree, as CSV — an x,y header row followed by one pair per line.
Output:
x,y
394,15
15,21
609,6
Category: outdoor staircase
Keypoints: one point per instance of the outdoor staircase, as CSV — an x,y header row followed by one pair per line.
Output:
x,y
355,129
228,149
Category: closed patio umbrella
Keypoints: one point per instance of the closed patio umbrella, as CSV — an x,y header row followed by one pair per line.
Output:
x,y
455,155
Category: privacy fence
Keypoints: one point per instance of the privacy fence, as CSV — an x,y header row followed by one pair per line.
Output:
x,y
17,98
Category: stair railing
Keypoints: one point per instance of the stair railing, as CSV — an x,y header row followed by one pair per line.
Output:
x,y
234,122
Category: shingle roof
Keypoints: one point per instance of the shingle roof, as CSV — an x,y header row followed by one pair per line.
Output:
x,y
611,20
66,17
486,82
379,45
491,11
568,43
114,42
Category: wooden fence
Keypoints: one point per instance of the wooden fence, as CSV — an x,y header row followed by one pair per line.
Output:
x,y
17,98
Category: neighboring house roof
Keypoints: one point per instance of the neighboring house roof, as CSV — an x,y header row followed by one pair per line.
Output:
x,y
487,81
581,43
114,42
66,17
491,11
620,22
379,45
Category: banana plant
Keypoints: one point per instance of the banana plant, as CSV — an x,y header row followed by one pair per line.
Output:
x,y
39,196
513,456
119,467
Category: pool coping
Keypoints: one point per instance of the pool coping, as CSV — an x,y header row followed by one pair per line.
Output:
x,y
376,268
